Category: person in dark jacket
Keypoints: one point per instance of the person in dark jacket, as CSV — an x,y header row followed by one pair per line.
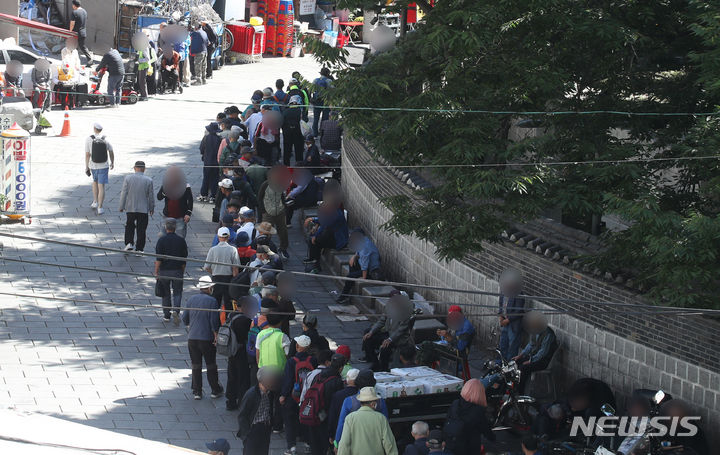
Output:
x,y
238,368
320,435
112,61
286,289
510,312
292,133
420,432
330,231
208,151
256,413
339,398
298,365
305,193
211,46
317,342
178,199
467,421
540,348
198,51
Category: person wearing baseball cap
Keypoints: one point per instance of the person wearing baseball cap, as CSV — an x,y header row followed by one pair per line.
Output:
x,y
365,430
137,200
436,443
222,263
455,340
297,368
204,324
228,222
295,88
344,350
99,159
339,397
218,447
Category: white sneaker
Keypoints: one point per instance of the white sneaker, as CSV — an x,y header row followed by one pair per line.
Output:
x,y
100,210
93,205
129,247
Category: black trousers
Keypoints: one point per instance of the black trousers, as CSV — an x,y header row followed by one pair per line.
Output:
x,y
324,240
238,378
209,181
371,346
526,371
356,272
307,198
136,221
293,139
292,424
221,291
210,50
266,150
257,442
199,350
319,439
83,49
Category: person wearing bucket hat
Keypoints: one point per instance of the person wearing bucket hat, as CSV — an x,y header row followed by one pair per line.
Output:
x,y
367,431
265,231
203,327
540,349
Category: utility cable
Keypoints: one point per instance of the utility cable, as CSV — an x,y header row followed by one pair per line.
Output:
x,y
441,166
651,308
374,315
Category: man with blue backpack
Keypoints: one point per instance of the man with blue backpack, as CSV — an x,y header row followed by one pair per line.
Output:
x,y
238,367
297,370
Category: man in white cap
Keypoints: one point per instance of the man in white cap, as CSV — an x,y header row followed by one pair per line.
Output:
x,y
226,254
99,159
204,323
367,432
226,188
296,370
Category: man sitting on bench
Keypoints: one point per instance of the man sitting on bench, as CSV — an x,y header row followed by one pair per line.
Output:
x,y
365,263
454,340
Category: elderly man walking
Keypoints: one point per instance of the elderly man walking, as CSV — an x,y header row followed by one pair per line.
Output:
x,y
137,200
367,432
257,412
204,324
227,255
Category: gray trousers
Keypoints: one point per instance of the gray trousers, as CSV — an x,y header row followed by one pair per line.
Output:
x,y
201,66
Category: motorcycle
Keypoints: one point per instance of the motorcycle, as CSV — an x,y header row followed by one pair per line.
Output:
x,y
645,443
508,409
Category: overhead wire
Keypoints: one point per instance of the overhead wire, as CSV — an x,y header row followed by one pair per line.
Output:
x,y
459,165
654,308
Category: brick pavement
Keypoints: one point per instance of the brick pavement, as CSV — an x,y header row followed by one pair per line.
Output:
x,y
115,368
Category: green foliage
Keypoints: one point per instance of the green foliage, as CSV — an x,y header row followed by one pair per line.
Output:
x,y
556,55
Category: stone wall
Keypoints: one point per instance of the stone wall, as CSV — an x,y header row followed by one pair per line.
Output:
x,y
678,354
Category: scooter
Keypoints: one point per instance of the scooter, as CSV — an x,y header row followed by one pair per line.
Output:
x,y
41,99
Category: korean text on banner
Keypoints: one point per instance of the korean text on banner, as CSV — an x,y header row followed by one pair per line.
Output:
x,y
15,171
307,7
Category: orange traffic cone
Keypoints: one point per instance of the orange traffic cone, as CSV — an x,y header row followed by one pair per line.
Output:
x,y
66,124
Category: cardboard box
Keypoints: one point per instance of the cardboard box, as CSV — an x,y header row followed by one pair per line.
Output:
x,y
400,389
441,384
415,372
386,377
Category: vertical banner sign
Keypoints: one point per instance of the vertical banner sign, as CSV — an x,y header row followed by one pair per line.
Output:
x,y
15,171
6,121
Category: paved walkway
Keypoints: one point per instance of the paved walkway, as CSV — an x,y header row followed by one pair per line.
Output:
x,y
115,368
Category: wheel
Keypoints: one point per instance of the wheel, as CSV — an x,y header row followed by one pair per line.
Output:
x,y
228,40
132,98
101,100
518,416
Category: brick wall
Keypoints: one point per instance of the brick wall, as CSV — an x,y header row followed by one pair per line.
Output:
x,y
629,351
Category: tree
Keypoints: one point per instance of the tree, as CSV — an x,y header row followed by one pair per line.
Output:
x,y
470,57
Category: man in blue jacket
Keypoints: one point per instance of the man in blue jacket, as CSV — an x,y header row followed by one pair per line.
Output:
x,y
540,348
510,312
198,51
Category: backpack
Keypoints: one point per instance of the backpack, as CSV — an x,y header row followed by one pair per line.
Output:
x,y
242,280
302,370
227,343
312,408
99,151
252,336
